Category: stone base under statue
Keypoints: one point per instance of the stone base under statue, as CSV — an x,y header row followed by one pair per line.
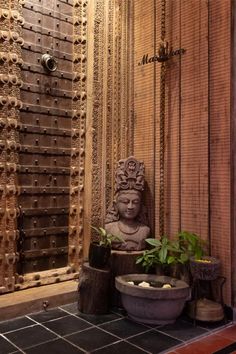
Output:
x,y
123,262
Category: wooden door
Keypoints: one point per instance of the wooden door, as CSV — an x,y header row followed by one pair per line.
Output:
x,y
45,136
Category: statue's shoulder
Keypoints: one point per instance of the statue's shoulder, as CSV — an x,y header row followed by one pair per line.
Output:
x,y
111,226
145,228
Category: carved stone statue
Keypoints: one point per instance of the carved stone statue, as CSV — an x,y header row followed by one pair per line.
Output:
x,y
126,217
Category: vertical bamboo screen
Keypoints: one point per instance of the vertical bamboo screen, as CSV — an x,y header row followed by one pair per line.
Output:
x,y
144,95
197,125
219,97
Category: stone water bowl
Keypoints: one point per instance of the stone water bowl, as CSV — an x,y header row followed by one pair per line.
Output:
x,y
154,304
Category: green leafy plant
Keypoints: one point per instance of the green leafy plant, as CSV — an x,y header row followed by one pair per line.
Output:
x,y
105,238
166,251
163,252
190,245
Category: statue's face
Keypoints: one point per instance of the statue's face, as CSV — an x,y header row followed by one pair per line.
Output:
x,y
128,204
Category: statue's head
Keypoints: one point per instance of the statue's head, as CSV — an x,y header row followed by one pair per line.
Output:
x,y
128,203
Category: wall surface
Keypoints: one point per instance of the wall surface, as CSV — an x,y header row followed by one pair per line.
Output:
x,y
197,183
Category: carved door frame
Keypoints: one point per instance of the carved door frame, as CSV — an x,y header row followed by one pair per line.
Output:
x,y
110,116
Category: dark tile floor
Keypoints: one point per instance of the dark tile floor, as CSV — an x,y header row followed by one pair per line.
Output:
x,y
66,331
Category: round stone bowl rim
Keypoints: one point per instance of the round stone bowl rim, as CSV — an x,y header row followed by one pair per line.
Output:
x,y
179,289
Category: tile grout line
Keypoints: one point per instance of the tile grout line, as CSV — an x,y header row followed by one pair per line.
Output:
x,y
119,339
112,321
148,326
9,341
35,322
107,322
54,339
142,332
77,316
199,338
84,330
105,346
125,340
212,330
181,340
18,329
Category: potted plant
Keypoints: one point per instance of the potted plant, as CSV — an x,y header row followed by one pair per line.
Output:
x,y
100,251
190,245
202,267
172,256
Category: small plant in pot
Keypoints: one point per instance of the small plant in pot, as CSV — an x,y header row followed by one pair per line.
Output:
x,y
100,251
201,266
189,245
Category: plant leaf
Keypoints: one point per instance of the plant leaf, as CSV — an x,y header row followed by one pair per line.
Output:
x,y
153,242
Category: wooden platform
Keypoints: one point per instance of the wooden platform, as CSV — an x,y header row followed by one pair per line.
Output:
x,y
31,300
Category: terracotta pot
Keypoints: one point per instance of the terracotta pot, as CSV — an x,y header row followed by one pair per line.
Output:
x,y
99,256
205,270
153,305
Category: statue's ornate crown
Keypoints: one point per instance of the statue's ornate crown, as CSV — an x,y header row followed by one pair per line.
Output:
x,y
129,175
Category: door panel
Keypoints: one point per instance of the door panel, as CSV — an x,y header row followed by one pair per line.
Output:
x,y
45,137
